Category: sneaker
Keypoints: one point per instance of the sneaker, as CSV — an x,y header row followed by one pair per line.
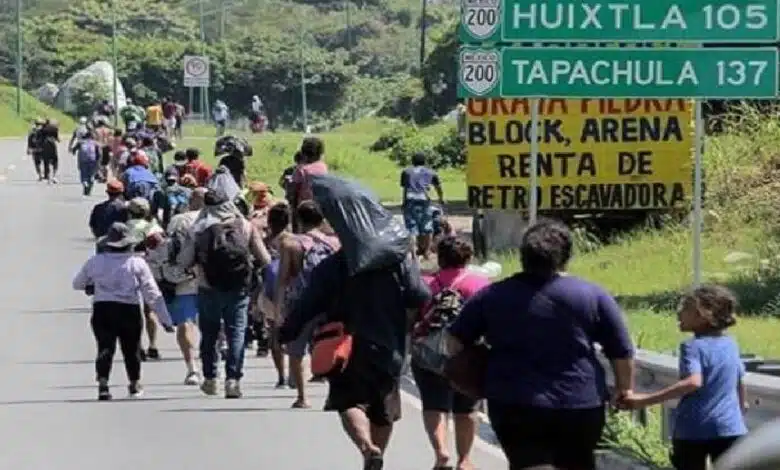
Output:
x,y
153,354
54,180
209,387
104,394
135,390
193,378
232,388
40,178
374,462
281,383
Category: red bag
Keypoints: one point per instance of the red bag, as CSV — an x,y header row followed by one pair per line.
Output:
x,y
331,349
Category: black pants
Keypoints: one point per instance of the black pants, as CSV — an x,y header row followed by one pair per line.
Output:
x,y
38,161
50,165
693,455
555,438
112,321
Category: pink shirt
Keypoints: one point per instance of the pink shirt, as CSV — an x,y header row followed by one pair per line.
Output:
x,y
301,178
468,285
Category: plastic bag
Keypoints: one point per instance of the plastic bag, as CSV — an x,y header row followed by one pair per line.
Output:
x,y
223,181
370,236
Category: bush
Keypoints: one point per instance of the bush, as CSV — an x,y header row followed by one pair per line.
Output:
x,y
388,139
441,145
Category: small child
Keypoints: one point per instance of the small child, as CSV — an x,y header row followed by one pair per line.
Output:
x,y
710,414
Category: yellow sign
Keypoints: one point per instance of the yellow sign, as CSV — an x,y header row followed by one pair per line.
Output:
x,y
594,154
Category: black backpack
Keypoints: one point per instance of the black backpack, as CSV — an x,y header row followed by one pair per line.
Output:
x,y
224,256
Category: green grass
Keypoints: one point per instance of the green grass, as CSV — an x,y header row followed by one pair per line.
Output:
x,y
346,153
14,125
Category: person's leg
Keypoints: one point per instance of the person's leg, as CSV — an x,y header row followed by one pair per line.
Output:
x,y
689,455
277,356
131,329
209,322
151,332
38,163
105,338
184,311
436,398
575,447
297,352
91,169
385,411
47,168
718,447
55,164
465,417
234,314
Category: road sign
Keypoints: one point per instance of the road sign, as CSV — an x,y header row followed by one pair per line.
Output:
x,y
618,73
196,71
691,21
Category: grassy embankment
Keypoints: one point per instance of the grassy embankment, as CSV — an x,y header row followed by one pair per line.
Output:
x,y
646,270
14,125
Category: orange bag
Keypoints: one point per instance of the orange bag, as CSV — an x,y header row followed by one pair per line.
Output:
x,y
331,349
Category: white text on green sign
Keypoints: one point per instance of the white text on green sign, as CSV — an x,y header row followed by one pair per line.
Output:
x,y
696,21
516,72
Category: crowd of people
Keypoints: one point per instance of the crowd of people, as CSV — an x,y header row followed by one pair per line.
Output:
x,y
206,253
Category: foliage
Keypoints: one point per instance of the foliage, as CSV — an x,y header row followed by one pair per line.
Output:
x,y
87,92
355,56
441,145
13,125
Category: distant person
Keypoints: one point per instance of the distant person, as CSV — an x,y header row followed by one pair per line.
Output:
x,y
546,389
35,146
154,116
50,151
169,116
312,164
114,209
180,113
88,158
197,167
416,182
221,116
79,133
710,416
132,115
232,153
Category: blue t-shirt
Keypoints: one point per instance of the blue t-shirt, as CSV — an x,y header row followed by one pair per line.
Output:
x,y
541,334
417,180
713,410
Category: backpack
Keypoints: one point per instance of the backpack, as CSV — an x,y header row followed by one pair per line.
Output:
x,y
430,352
88,151
142,188
223,254
313,253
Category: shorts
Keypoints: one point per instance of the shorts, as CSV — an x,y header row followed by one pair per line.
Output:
x,y
170,123
184,308
364,386
436,394
693,455
546,437
418,217
298,348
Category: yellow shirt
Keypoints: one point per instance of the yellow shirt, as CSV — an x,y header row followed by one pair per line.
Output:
x,y
154,115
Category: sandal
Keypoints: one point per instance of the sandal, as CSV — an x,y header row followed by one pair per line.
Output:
x,y
301,405
374,462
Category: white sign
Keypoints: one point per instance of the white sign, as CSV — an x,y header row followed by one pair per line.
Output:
x,y
196,71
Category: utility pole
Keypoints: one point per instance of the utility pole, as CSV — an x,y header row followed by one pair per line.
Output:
x,y
222,19
19,59
114,60
352,109
423,27
203,52
304,106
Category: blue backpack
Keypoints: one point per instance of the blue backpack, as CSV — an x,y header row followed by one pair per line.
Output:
x,y
88,151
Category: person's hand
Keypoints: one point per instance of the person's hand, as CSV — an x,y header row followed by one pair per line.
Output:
x,y
169,328
631,401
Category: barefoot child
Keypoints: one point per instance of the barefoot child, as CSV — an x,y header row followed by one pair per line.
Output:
x,y
711,393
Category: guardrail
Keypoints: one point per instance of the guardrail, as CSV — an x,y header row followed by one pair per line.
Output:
x,y
655,371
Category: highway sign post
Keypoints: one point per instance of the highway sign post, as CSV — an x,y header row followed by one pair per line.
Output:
x,y
682,21
514,72
491,70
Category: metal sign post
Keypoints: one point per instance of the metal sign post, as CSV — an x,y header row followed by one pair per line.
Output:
x,y
698,182
533,184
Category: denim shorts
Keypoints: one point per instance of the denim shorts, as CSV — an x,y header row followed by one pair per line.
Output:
x,y
184,308
418,217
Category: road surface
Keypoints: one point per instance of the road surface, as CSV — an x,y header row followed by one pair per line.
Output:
x,y
49,418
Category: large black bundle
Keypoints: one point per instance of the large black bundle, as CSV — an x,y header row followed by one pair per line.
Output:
x,y
370,236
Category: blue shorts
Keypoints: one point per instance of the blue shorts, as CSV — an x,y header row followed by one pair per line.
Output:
x,y
184,308
418,217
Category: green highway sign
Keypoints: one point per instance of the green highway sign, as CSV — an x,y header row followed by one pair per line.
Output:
x,y
520,72
689,21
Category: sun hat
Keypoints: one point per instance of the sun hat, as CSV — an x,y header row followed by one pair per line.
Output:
x,y
119,235
139,206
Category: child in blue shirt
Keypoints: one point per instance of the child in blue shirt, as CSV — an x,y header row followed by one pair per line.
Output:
x,y
710,413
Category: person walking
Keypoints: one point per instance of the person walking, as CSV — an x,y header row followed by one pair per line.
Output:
x,y
451,286
117,279
35,146
416,182
113,209
545,387
88,157
50,152
225,250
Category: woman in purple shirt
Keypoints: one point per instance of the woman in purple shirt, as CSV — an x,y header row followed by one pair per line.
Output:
x,y
117,278
545,387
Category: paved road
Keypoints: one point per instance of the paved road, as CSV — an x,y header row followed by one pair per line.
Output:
x,y
49,418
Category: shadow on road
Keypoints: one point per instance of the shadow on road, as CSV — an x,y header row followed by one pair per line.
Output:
x,y
224,410
59,311
85,400
91,361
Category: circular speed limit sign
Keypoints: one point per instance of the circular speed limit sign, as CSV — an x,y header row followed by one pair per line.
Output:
x,y
196,67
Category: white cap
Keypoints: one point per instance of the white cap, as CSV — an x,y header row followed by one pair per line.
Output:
x,y
82,120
